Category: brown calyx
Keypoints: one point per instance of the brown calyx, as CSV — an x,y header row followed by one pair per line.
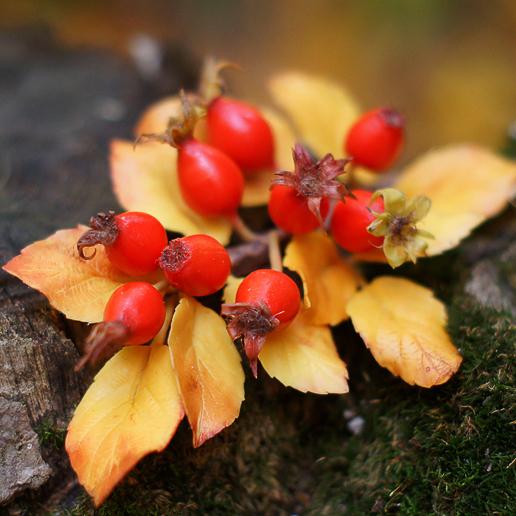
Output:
x,y
314,179
211,84
174,256
393,118
104,230
251,322
179,128
104,341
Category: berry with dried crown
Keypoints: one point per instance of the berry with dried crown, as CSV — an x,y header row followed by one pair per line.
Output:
x,y
299,199
133,315
265,299
133,240
197,265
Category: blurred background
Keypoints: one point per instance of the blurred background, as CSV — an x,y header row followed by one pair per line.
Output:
x,y
450,66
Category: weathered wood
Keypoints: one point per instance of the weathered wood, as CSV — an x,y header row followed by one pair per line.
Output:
x,y
58,111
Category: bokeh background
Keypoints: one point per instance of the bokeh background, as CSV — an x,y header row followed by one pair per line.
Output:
x,y
450,66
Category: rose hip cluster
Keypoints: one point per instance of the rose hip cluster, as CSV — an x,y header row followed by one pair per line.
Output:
x,y
238,142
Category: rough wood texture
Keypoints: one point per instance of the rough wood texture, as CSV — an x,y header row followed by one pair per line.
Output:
x,y
58,111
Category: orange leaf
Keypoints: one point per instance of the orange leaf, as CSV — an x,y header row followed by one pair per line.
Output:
x,y
466,184
132,408
321,111
303,356
329,282
404,327
208,365
78,288
144,179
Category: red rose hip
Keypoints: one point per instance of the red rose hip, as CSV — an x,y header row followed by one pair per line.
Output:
x,y
133,316
265,299
290,212
376,139
351,219
211,183
197,265
240,131
133,240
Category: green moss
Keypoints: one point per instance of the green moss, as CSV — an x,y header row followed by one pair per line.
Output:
x,y
443,451
51,436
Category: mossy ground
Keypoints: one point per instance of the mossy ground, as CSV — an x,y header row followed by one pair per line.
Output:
x,y
442,451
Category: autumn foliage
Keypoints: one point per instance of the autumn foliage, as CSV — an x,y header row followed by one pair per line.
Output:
x,y
192,366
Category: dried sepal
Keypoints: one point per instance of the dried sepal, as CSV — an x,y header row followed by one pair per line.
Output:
x,y
252,323
314,179
104,230
178,128
104,340
403,240
211,84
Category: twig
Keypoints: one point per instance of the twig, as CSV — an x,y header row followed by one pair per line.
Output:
x,y
274,251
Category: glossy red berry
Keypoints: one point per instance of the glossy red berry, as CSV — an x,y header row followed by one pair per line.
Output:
x,y
350,220
275,289
240,131
211,183
134,315
265,300
290,212
133,240
140,308
376,139
197,265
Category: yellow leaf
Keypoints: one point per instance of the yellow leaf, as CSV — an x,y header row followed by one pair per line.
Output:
x,y
208,366
145,179
329,282
466,184
257,188
404,327
132,408
231,288
303,356
284,138
78,288
321,111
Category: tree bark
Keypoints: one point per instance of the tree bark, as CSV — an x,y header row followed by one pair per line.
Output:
x,y
58,111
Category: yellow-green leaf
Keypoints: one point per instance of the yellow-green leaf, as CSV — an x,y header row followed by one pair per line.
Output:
x,y
321,111
145,179
132,409
329,282
78,288
211,378
466,184
404,326
303,356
